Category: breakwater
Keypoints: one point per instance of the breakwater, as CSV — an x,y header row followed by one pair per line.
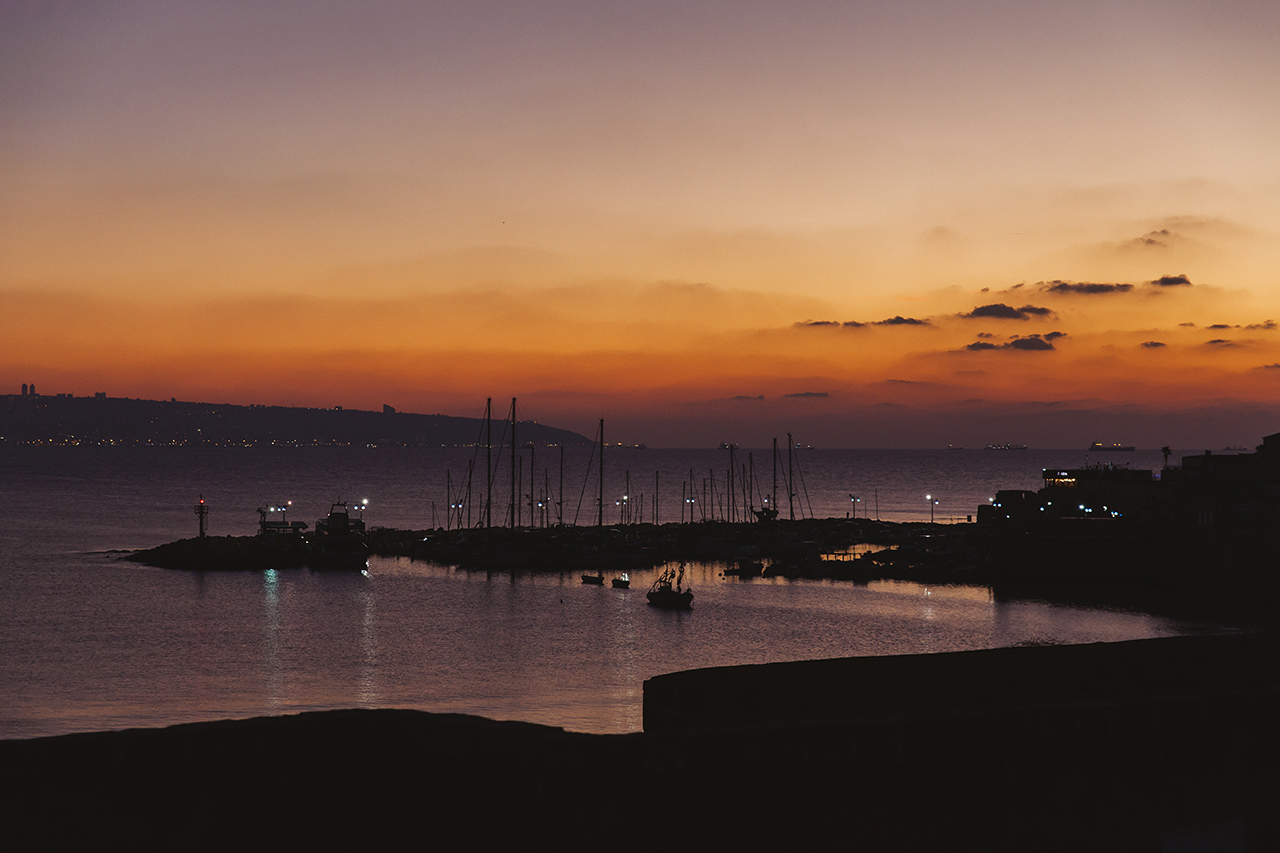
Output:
x,y
1164,575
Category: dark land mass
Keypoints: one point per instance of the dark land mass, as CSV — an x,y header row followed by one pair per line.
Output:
x,y
1197,576
66,420
1144,746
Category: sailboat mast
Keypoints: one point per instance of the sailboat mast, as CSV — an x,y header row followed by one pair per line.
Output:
x,y
513,461
600,517
488,462
791,486
774,496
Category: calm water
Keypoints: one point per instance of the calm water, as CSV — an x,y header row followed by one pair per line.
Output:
x,y
91,642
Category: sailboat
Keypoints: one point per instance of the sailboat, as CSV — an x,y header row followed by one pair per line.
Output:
x,y
668,591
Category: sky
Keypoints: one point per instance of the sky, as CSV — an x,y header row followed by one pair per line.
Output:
x,y
869,224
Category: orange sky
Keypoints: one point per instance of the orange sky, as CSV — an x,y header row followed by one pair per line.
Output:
x,y
870,224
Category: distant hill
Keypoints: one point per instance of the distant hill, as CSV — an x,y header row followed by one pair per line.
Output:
x,y
66,420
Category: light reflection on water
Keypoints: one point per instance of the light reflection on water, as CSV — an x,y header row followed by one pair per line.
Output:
x,y
543,648
91,642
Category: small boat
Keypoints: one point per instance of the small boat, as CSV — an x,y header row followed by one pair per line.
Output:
x,y
595,580
339,541
745,568
668,591
622,581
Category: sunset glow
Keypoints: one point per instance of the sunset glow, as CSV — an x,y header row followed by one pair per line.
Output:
x,y
871,224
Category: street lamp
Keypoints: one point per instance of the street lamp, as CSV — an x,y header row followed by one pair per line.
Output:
x,y
932,504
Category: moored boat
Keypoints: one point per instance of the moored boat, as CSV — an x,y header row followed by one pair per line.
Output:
x,y
339,541
622,581
668,591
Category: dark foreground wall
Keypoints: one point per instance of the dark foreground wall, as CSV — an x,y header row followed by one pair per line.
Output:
x,y
1139,769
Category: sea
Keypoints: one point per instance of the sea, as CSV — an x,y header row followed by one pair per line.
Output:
x,y
94,642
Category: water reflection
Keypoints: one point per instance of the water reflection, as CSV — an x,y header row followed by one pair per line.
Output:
x,y
273,677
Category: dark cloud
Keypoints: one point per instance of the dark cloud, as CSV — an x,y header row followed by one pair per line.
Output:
x,y
747,397
1154,238
854,324
1153,344
1188,325
1219,342
1030,343
902,321
1000,311
985,335
809,394
1087,288
1219,326
1264,326
1268,367
1171,281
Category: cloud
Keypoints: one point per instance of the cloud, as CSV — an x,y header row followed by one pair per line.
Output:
x,y
1153,344
1171,281
902,321
1086,288
809,394
1000,311
1266,326
1268,367
747,397
1033,344
854,324
1219,326
1154,238
1219,342
1188,325
1030,343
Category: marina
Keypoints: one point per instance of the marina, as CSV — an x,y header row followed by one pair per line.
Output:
x,y
97,642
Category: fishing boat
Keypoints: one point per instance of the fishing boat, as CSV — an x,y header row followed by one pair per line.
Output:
x,y
339,541
622,581
595,580
668,591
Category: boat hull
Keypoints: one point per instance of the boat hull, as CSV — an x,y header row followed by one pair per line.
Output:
x,y
669,599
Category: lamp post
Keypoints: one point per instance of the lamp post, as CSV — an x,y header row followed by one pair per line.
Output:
x,y
932,504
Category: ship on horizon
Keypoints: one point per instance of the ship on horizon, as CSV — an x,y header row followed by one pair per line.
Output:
x,y
1006,447
1099,446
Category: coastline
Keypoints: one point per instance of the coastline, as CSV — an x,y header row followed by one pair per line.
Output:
x,y
1162,576
1170,746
